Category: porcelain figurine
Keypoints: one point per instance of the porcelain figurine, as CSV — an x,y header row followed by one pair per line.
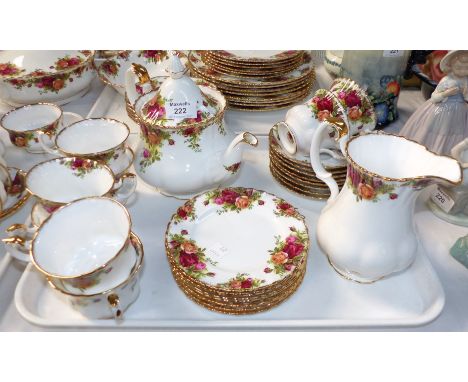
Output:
x,y
367,229
442,121
185,147
345,100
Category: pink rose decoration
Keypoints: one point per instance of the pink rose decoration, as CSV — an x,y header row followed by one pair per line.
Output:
x,y
291,239
219,200
146,153
200,266
293,249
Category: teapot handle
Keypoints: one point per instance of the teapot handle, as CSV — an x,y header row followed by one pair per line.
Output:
x,y
342,131
136,73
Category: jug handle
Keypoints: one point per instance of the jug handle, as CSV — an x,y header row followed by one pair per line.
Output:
x,y
134,73
342,131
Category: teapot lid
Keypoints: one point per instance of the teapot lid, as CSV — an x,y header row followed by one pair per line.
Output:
x,y
179,101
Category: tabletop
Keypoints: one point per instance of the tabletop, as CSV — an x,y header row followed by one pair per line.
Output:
x,y
453,275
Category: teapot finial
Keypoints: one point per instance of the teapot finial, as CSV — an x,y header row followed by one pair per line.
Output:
x,y
176,68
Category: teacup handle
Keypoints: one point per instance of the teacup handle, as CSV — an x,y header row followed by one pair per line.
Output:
x,y
18,242
133,74
114,304
124,187
49,145
342,137
5,180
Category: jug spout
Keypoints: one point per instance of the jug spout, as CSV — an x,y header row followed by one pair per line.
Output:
x,y
233,154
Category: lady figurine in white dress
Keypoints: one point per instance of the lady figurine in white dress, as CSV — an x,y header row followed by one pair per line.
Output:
x,y
442,121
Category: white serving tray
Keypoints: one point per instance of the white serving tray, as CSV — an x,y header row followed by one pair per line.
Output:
x,y
324,300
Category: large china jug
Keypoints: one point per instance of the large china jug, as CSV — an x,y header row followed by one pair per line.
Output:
x,y
185,146
367,229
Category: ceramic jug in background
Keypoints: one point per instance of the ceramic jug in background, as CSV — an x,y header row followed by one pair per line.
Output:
x,y
367,229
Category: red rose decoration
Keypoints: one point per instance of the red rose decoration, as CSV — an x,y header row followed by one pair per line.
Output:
x,y
293,249
182,213
247,283
325,104
188,259
352,99
229,196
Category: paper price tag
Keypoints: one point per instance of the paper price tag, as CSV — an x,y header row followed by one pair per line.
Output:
x,y
393,53
217,251
444,201
180,110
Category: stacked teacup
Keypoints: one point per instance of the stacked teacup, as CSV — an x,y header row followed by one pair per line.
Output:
x,y
90,256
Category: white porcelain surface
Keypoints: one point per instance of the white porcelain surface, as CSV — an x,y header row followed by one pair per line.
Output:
x,y
57,182
92,136
58,84
81,237
373,213
31,117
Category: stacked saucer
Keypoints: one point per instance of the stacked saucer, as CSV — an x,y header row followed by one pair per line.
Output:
x,y
237,250
256,81
296,174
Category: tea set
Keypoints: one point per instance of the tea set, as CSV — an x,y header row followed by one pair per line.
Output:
x,y
79,233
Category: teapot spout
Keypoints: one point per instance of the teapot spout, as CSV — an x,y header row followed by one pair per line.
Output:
x,y
233,154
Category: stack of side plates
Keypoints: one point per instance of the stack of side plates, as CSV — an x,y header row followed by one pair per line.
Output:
x,y
296,173
256,81
237,250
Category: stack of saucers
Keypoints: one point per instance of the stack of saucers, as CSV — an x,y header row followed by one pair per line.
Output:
x,y
256,80
296,173
237,250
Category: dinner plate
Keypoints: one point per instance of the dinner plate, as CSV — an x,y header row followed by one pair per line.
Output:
x,y
198,66
237,238
256,56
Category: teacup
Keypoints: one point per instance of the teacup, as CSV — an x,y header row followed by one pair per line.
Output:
x,y
59,181
27,124
106,303
345,101
84,244
101,139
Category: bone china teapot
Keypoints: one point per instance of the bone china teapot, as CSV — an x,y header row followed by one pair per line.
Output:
x,y
185,147
367,229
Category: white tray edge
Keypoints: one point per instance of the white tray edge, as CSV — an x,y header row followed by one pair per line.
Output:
x,y
428,316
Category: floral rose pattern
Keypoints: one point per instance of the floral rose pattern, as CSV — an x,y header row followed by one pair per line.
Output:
x,y
288,253
153,55
285,209
234,199
17,185
189,256
233,168
80,166
369,188
26,138
154,140
185,213
54,82
241,281
9,69
110,67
